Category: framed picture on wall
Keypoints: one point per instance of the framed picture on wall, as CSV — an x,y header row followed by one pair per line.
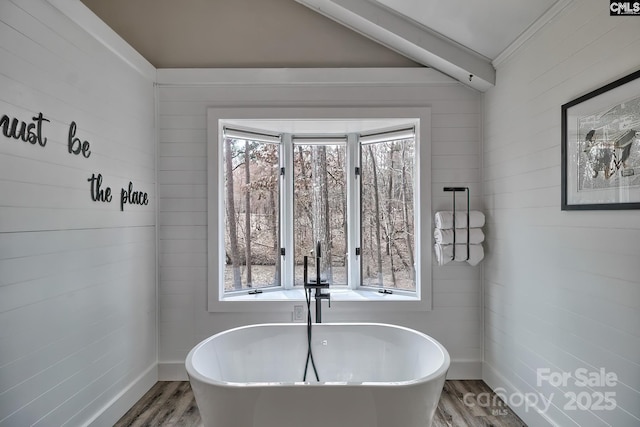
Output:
x,y
601,148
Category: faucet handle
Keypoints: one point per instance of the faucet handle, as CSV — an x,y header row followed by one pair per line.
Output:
x,y
327,296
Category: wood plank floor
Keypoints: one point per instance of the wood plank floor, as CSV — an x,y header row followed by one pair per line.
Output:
x,y
171,403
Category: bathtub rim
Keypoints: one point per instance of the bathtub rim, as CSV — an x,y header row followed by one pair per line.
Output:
x,y
442,370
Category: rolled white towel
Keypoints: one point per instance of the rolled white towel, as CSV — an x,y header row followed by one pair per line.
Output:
x,y
445,237
444,253
444,219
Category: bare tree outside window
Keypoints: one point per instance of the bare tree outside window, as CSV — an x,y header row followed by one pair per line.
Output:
x,y
252,217
320,209
387,215
232,253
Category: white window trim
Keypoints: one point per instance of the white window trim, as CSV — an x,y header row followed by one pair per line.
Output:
x,y
349,300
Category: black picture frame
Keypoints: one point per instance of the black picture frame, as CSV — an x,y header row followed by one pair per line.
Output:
x,y
600,148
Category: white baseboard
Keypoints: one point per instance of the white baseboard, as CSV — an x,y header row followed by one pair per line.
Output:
x,y
172,371
119,405
465,370
495,380
459,370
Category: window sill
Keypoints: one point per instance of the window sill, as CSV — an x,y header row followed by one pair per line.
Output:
x,y
341,300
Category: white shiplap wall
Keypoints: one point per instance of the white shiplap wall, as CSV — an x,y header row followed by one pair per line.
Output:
x,y
561,289
77,277
182,177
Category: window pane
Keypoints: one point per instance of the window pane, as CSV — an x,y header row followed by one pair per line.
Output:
x,y
387,215
320,211
252,210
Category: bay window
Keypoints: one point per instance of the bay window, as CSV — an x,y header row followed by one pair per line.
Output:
x,y
282,186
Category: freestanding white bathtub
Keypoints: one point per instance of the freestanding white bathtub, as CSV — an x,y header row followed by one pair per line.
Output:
x,y
371,375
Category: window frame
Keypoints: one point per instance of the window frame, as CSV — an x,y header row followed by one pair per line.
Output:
x,y
377,138
279,299
246,135
293,140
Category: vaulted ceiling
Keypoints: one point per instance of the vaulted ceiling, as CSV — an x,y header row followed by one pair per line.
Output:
x,y
461,38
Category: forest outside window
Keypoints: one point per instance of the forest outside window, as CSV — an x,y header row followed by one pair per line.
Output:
x,y
252,210
352,192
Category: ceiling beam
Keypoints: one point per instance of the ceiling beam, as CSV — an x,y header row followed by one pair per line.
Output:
x,y
409,38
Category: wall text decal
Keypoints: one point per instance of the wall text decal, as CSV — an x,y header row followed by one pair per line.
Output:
x,y
33,134
133,197
26,131
75,146
99,194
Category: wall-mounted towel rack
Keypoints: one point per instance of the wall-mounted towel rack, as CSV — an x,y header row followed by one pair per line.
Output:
x,y
454,190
